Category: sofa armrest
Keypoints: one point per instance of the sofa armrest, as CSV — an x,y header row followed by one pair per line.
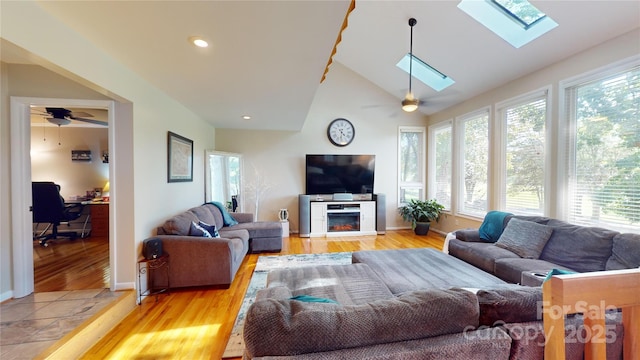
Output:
x,y
198,260
242,217
469,235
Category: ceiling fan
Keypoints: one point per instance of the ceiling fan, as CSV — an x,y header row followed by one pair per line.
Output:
x,y
410,103
62,116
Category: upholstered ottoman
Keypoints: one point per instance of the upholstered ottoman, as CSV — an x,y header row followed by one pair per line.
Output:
x,y
347,284
264,236
418,269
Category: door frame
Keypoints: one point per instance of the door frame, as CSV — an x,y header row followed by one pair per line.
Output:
x,y
21,218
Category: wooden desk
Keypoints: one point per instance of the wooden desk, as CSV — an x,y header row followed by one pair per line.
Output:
x,y
99,219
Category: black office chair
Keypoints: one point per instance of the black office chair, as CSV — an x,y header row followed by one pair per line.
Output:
x,y
49,207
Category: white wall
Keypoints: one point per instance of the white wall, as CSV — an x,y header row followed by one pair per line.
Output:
x,y
52,162
604,54
144,115
280,156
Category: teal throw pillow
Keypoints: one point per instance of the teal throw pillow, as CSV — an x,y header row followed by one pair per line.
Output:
x,y
492,226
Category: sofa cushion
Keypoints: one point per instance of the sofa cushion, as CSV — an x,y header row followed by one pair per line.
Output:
x,y
284,327
625,253
492,225
423,268
179,224
350,284
261,229
579,248
227,219
479,254
217,215
511,269
524,238
508,305
204,214
197,230
235,233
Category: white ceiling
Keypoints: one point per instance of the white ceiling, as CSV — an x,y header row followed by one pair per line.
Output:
x,y
267,57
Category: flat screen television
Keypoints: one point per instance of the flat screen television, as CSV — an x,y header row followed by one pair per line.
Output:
x,y
332,174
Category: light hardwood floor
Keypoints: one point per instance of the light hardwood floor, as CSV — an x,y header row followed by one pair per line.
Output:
x,y
78,264
196,323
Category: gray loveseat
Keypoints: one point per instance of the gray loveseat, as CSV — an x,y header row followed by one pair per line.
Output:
x,y
540,244
195,260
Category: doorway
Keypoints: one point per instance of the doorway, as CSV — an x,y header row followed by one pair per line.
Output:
x,y
69,147
23,251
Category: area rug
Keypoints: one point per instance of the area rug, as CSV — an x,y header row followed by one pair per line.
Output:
x,y
235,346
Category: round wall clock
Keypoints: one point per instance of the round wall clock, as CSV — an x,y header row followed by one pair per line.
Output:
x,y
341,132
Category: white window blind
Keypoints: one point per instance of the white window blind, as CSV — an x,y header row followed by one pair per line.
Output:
x,y
440,172
474,164
411,163
524,154
604,152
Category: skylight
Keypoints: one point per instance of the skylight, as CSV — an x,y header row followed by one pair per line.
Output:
x,y
425,73
516,21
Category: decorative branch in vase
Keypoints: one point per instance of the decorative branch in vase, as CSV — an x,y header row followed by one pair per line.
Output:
x,y
257,186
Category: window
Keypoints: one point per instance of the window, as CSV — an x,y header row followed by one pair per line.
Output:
x,y
411,163
604,151
516,21
425,73
523,164
440,163
473,130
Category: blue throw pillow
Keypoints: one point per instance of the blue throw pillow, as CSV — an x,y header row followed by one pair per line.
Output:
x,y
309,298
491,227
197,230
210,228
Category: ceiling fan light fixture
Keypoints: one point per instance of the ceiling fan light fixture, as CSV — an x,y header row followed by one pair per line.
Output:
x,y
59,121
409,104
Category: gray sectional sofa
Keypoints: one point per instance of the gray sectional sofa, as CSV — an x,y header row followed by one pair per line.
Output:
x,y
557,245
426,304
197,260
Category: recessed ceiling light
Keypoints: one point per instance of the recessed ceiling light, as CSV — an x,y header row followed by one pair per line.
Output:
x,y
246,117
198,41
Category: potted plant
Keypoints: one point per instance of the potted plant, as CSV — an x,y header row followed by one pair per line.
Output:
x,y
420,213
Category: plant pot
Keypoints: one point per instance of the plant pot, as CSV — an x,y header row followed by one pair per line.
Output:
x,y
422,228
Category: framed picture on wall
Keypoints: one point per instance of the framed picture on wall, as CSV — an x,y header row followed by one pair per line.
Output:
x,y
179,158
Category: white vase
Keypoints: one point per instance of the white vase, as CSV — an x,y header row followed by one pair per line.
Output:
x,y
283,215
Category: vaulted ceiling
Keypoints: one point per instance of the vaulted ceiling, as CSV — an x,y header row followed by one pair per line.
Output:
x,y
266,58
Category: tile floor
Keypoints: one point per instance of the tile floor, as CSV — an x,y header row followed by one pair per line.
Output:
x,y
31,324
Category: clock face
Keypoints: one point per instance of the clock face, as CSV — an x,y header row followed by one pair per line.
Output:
x,y
341,132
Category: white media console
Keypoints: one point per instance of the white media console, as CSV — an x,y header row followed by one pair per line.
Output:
x,y
331,218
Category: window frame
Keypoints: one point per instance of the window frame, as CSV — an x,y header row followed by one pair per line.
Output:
x,y
422,160
567,134
431,166
459,161
500,130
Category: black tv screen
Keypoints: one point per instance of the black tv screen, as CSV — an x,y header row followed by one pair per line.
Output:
x,y
332,174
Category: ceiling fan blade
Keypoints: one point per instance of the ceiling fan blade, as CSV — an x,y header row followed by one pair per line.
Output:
x,y
90,121
80,114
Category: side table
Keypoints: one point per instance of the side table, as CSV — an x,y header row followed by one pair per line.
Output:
x,y
147,267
